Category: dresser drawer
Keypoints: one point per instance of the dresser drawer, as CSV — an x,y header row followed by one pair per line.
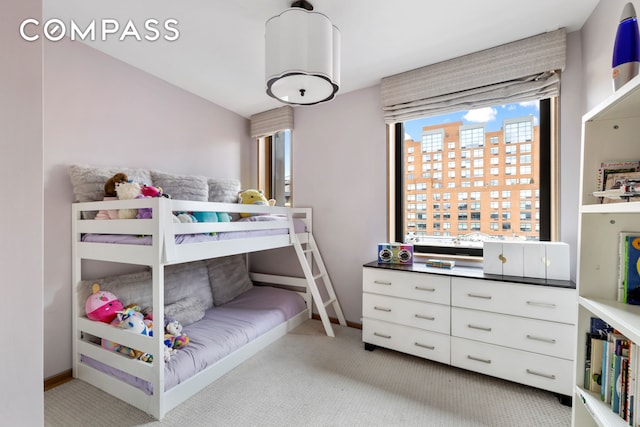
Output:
x,y
417,286
538,336
418,342
538,302
419,314
536,370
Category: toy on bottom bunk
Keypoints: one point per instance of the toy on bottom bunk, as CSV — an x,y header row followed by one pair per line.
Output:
x,y
102,306
174,339
254,197
131,320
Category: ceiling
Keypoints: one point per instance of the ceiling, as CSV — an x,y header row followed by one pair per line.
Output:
x,y
219,54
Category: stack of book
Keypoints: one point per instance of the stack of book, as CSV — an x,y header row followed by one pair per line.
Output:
x,y
611,368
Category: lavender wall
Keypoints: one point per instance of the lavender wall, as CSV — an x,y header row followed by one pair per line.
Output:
x,y
100,111
340,170
21,258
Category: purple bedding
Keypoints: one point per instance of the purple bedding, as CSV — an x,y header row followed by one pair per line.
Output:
x,y
223,330
196,238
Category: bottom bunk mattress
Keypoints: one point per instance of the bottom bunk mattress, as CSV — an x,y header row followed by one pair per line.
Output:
x,y
223,330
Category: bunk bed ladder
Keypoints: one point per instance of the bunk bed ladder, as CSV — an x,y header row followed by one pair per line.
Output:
x,y
307,256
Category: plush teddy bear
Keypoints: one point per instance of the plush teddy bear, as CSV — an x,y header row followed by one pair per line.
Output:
x,y
110,185
102,306
253,197
128,191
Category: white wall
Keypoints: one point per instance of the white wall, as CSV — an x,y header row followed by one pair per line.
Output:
x,y
340,170
571,101
21,259
100,111
598,35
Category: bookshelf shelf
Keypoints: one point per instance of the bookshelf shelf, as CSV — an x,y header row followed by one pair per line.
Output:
x,y
598,410
610,134
613,208
626,317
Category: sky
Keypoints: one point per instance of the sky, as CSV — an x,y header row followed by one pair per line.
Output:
x,y
492,116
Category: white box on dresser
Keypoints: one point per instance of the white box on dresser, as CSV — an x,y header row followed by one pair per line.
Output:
x,y
518,329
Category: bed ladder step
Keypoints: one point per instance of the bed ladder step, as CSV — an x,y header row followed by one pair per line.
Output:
x,y
307,256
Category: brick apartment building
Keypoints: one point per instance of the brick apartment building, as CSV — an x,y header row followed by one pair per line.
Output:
x,y
464,182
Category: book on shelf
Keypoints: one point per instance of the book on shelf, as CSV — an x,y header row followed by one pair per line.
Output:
x,y
596,339
629,268
611,368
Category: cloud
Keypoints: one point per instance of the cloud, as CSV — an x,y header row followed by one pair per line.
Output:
x,y
534,104
407,137
481,115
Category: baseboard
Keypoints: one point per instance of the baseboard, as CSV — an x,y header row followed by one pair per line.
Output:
x,y
337,322
57,380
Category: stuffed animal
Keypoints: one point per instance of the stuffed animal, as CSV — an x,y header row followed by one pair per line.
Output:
x,y
184,217
253,197
102,306
110,185
151,191
128,191
173,337
211,216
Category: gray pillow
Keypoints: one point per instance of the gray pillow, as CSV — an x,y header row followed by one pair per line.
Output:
x,y
180,281
224,190
88,182
186,311
182,187
228,277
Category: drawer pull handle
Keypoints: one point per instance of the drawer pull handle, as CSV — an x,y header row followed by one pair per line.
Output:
x,y
541,304
478,359
479,296
388,310
428,347
540,374
422,316
534,338
482,328
420,288
382,282
377,334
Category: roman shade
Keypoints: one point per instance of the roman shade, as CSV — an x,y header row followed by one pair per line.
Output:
x,y
272,121
522,70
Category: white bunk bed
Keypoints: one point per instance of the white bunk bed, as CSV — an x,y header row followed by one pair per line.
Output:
x,y
159,249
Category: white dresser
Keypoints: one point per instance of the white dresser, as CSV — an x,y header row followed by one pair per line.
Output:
x,y
518,329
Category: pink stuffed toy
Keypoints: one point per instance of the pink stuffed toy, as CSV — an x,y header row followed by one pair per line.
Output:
x,y
102,306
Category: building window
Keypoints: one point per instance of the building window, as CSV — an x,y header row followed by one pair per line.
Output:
x,y
432,141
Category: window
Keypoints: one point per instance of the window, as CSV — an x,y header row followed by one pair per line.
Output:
x,y
513,142
274,167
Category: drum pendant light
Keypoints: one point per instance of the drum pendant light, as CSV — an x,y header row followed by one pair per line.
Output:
x,y
302,56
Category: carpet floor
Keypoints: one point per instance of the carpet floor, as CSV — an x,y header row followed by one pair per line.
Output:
x,y
309,379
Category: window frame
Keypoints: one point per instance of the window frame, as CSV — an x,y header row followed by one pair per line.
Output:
x,y
548,142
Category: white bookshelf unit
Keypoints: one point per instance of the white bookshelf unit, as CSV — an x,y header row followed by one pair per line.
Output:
x,y
610,132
